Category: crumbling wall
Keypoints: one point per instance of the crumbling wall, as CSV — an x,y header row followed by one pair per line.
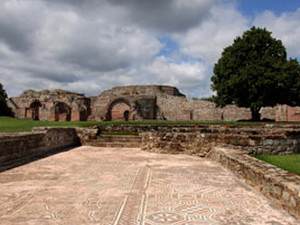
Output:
x,y
200,140
147,102
43,105
268,113
206,111
136,90
287,113
18,147
181,108
174,108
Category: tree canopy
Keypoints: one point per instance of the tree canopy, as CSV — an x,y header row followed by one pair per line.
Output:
x,y
254,72
4,110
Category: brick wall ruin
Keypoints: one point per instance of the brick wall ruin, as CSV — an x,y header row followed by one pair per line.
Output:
x,y
56,105
144,102
287,113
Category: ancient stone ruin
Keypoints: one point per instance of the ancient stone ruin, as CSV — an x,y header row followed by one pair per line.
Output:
x,y
56,105
229,145
141,102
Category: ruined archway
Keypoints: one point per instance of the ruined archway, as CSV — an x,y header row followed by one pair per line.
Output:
x,y
126,115
119,110
62,112
33,112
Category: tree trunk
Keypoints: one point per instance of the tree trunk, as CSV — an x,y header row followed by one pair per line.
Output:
x,y
255,113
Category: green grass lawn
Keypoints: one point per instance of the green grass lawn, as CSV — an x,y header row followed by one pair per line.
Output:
x,y
8,124
289,163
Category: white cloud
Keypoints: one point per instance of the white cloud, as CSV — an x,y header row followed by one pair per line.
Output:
x,y
207,40
187,76
285,27
93,44
162,15
63,48
19,21
89,47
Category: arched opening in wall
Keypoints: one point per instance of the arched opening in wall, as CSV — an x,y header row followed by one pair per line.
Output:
x,y
126,115
119,110
33,112
62,112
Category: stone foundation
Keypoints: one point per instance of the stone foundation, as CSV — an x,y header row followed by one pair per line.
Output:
x,y
280,186
15,148
198,139
228,145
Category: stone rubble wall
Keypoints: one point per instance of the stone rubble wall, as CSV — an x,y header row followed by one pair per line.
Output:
x,y
200,140
18,147
180,108
136,90
87,135
78,103
287,113
280,186
268,113
234,113
174,108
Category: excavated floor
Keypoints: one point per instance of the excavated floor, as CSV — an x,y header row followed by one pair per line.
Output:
x,y
90,185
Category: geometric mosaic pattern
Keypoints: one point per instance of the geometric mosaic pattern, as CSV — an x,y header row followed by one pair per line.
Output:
x,y
90,185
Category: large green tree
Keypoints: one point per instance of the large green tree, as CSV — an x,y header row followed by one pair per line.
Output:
x,y
291,83
254,72
4,110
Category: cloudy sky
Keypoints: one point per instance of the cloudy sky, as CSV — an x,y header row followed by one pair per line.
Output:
x,y
91,45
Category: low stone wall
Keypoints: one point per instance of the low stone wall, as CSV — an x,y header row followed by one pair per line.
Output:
x,y
200,140
281,186
25,146
87,135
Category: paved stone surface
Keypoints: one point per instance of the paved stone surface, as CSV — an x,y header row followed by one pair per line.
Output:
x,y
127,186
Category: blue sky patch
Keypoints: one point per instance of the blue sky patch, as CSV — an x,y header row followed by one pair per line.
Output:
x,y
170,46
254,7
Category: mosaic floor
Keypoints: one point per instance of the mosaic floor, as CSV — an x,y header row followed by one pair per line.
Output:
x,y
89,185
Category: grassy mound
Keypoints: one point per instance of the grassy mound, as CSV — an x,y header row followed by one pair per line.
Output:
x,y
289,163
